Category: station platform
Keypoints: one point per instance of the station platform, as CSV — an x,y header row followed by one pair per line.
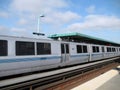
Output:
x,y
112,84
107,81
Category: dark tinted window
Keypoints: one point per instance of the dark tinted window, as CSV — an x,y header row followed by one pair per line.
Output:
x,y
3,48
79,49
43,48
25,48
113,49
109,49
103,50
84,49
67,48
62,49
95,49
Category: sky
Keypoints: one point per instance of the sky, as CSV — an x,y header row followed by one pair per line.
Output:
x,y
97,18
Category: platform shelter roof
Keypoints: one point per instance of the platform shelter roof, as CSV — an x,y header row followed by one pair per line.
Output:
x,y
78,37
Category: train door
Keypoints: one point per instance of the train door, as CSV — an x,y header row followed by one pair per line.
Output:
x,y
64,52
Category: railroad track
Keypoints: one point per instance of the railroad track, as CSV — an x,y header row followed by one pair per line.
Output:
x,y
63,79
69,84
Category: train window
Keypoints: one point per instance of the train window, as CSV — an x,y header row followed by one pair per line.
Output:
x,y
95,49
62,49
109,49
67,48
3,48
113,49
84,49
25,48
43,48
79,49
103,50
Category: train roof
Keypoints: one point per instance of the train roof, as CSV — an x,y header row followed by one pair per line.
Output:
x,y
22,37
78,37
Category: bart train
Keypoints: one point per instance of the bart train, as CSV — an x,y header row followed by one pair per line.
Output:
x,y
22,55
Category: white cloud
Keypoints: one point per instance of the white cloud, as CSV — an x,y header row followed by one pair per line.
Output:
x,y
54,12
96,22
61,17
91,9
22,21
4,14
4,30
37,6
14,31
103,21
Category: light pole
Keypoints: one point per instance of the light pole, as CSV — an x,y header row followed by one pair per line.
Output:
x,y
39,22
38,29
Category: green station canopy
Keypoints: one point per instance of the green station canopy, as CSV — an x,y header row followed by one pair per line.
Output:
x,y
78,37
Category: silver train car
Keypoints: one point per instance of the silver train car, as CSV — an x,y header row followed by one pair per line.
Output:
x,y
22,55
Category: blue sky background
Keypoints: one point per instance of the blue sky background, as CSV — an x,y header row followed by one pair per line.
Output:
x,y
98,18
